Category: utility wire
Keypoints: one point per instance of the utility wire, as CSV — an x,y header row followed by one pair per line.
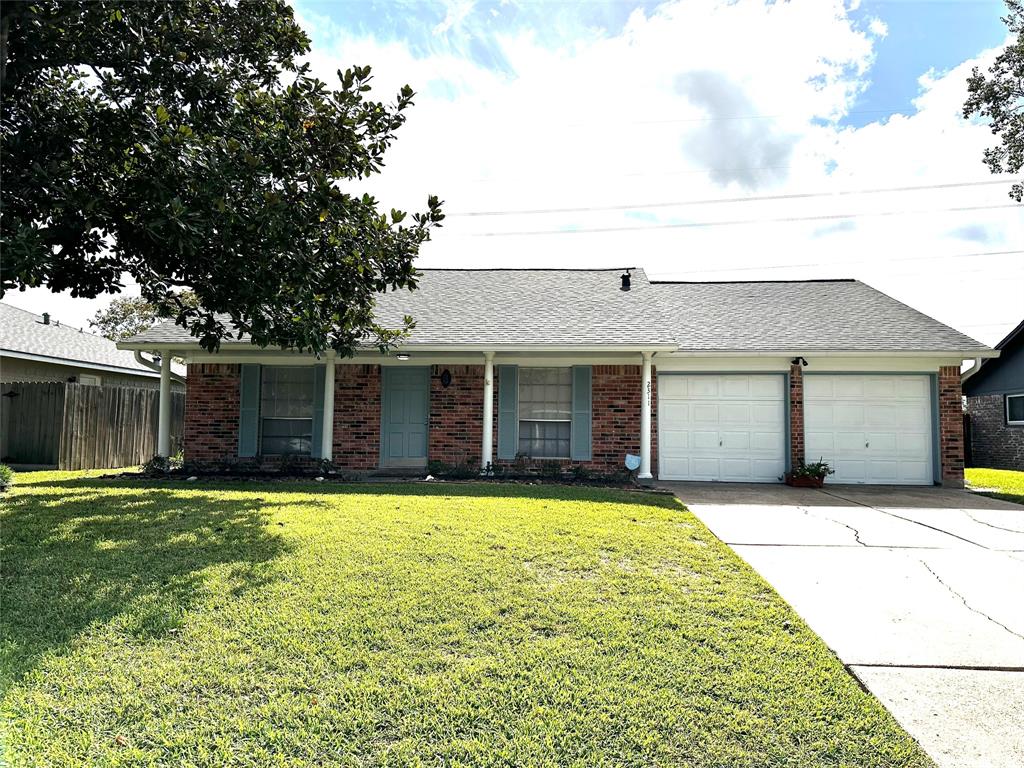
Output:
x,y
721,200
880,262
732,222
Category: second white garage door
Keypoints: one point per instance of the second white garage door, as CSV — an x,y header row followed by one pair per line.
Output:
x,y
870,428
721,427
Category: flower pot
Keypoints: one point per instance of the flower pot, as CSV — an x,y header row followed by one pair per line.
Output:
x,y
805,482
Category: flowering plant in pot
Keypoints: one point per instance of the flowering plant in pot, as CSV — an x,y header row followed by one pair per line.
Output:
x,y
809,475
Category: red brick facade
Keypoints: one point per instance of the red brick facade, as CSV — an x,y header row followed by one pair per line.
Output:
x,y
951,427
796,414
357,399
211,413
457,415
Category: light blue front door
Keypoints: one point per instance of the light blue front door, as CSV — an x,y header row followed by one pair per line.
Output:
x,y
406,413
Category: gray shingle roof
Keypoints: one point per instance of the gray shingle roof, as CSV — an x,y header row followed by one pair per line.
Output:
x,y
811,315
24,332
511,307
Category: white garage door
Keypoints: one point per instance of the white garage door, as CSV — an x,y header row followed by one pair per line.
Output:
x,y
721,427
870,429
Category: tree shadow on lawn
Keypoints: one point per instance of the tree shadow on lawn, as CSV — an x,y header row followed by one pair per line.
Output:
x,y
82,556
373,487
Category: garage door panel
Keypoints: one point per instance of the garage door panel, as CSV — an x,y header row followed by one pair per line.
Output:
x,y
703,387
705,413
883,441
676,413
734,413
770,442
673,440
671,388
735,441
913,387
735,387
847,415
818,386
705,439
819,443
734,427
871,428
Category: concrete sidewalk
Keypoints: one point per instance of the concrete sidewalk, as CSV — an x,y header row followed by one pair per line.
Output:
x,y
920,592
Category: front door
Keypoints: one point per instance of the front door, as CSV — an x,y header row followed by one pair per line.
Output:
x,y
406,413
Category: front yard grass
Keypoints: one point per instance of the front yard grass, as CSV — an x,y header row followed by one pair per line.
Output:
x,y
1005,483
439,625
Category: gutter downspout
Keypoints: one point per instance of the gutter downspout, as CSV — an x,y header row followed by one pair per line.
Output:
x,y
154,366
975,366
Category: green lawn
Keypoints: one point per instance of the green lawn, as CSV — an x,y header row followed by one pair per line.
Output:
x,y
1006,483
437,625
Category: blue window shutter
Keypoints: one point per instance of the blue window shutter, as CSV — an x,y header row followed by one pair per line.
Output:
x,y
319,372
249,411
580,442
508,411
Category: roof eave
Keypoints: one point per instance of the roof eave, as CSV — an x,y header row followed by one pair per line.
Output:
x,y
77,363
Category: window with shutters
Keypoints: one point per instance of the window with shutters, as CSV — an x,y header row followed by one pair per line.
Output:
x,y
286,410
545,412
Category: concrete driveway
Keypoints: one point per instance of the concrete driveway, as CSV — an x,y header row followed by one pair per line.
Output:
x,y
919,591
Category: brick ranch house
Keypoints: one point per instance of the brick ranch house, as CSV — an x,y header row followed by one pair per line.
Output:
x,y
704,381
994,390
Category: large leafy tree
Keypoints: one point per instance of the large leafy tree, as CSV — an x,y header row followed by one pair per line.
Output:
x,y
185,143
999,97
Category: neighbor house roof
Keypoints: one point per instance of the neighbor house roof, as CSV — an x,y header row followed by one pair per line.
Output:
x,y
25,335
812,315
562,307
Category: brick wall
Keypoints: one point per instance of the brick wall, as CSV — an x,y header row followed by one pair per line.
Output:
x,y
457,414
211,412
951,427
357,401
994,444
796,414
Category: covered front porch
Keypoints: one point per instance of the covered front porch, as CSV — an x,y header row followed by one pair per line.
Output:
x,y
372,412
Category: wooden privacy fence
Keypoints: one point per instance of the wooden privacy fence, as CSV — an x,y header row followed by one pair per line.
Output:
x,y
79,426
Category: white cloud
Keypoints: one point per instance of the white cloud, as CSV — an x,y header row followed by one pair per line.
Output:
x,y
698,100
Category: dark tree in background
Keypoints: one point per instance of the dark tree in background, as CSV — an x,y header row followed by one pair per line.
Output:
x,y
183,143
999,96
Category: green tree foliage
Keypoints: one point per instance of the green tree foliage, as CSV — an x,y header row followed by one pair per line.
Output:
x,y
130,315
184,143
999,97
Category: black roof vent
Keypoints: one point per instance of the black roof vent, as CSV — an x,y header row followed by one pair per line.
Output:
x,y
46,318
625,281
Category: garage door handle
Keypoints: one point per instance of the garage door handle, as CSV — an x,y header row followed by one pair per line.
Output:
x,y
719,443
866,445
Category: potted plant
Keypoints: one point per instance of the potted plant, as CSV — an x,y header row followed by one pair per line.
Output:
x,y
809,475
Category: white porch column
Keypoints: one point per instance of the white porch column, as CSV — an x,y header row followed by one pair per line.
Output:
x,y
163,434
645,420
487,449
327,432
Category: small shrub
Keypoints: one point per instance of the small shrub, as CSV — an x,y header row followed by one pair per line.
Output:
x,y
551,470
6,477
580,473
157,466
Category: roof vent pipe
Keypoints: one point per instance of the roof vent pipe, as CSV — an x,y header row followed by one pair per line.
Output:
x,y
46,318
625,281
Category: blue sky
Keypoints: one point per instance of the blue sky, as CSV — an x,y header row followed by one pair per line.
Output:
x,y
921,36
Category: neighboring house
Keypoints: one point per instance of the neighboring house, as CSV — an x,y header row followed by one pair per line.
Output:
x,y
705,381
995,405
36,348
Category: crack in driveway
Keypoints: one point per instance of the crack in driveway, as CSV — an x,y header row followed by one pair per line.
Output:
x,y
856,533
900,517
967,605
991,525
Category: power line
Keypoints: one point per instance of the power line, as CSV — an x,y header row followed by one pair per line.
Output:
x,y
731,222
849,263
721,200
